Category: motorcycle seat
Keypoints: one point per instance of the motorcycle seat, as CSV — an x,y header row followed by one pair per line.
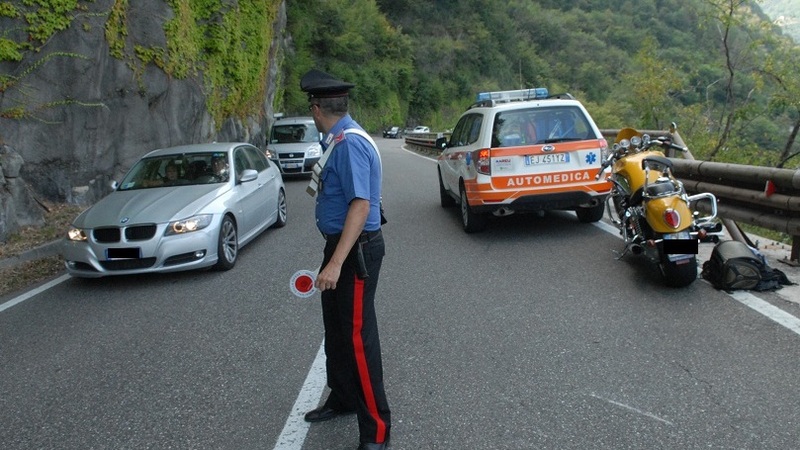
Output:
x,y
659,160
661,187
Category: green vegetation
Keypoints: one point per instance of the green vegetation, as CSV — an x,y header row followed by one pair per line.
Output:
x,y
228,43
225,43
716,67
355,41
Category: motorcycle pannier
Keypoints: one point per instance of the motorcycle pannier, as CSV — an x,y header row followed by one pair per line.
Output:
x,y
732,266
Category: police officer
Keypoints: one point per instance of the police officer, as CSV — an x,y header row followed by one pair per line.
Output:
x,y
348,213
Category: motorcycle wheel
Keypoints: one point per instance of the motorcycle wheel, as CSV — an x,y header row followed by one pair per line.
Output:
x,y
678,275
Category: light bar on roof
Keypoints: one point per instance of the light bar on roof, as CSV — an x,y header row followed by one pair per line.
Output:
x,y
510,96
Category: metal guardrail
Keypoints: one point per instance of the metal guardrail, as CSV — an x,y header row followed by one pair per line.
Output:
x,y
427,140
760,196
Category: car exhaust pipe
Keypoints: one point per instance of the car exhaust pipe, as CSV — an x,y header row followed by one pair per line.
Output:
x,y
591,204
503,212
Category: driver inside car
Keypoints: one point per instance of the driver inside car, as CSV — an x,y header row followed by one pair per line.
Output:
x,y
220,168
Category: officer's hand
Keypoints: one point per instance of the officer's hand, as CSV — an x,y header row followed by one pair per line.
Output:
x,y
328,277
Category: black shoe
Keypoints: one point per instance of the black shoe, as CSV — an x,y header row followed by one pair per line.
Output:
x,y
324,413
373,446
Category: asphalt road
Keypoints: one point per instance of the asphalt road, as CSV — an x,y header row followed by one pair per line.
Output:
x,y
527,336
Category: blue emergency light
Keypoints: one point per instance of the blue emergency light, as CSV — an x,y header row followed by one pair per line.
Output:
x,y
517,95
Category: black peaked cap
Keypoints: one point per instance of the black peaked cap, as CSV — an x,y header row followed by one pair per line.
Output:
x,y
319,84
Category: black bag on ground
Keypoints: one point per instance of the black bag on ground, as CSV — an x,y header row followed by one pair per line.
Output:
x,y
733,266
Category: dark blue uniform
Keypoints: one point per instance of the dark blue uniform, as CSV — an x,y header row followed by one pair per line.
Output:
x,y
352,345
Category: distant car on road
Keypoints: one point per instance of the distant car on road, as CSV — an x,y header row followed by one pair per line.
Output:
x,y
294,145
393,132
421,129
218,199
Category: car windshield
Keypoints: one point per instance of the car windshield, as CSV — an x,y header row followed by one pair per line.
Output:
x,y
540,126
294,133
177,170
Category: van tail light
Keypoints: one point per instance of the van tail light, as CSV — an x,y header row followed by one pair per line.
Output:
x,y
672,218
482,161
604,152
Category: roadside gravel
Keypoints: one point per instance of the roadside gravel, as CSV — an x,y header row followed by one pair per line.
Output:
x,y
31,255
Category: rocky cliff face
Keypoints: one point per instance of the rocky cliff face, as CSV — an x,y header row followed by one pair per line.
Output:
x,y
88,115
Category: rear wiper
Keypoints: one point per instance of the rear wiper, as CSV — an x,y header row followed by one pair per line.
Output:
x,y
563,139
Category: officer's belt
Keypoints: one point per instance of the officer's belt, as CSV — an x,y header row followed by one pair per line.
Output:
x,y
362,238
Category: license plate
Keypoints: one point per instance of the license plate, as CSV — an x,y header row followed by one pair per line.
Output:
x,y
291,165
679,245
123,253
548,158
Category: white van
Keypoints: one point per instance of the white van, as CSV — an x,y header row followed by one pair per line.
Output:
x,y
294,145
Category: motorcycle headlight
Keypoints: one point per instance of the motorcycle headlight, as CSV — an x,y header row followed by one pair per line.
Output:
x,y
76,234
314,151
189,225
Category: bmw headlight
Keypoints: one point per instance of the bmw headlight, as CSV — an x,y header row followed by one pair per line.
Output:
x,y
314,151
76,234
193,223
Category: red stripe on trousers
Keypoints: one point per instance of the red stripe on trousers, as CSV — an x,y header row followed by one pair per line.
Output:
x,y
361,359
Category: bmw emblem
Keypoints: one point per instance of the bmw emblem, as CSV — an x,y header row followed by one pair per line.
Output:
x,y
124,220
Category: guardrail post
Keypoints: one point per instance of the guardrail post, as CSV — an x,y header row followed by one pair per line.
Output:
x,y
794,257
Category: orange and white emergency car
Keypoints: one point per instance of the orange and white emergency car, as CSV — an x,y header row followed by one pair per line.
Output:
x,y
523,151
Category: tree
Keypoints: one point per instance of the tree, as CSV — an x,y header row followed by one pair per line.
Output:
x,y
738,52
783,65
652,82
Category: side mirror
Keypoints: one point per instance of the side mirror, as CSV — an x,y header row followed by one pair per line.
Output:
x,y
441,143
248,175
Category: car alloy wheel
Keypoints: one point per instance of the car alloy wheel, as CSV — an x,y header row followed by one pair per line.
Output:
x,y
471,221
281,221
228,245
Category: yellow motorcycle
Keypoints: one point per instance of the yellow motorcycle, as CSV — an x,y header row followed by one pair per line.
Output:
x,y
651,207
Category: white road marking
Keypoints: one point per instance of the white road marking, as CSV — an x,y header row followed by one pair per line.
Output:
x,y
417,154
765,308
296,428
31,293
636,410
774,313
